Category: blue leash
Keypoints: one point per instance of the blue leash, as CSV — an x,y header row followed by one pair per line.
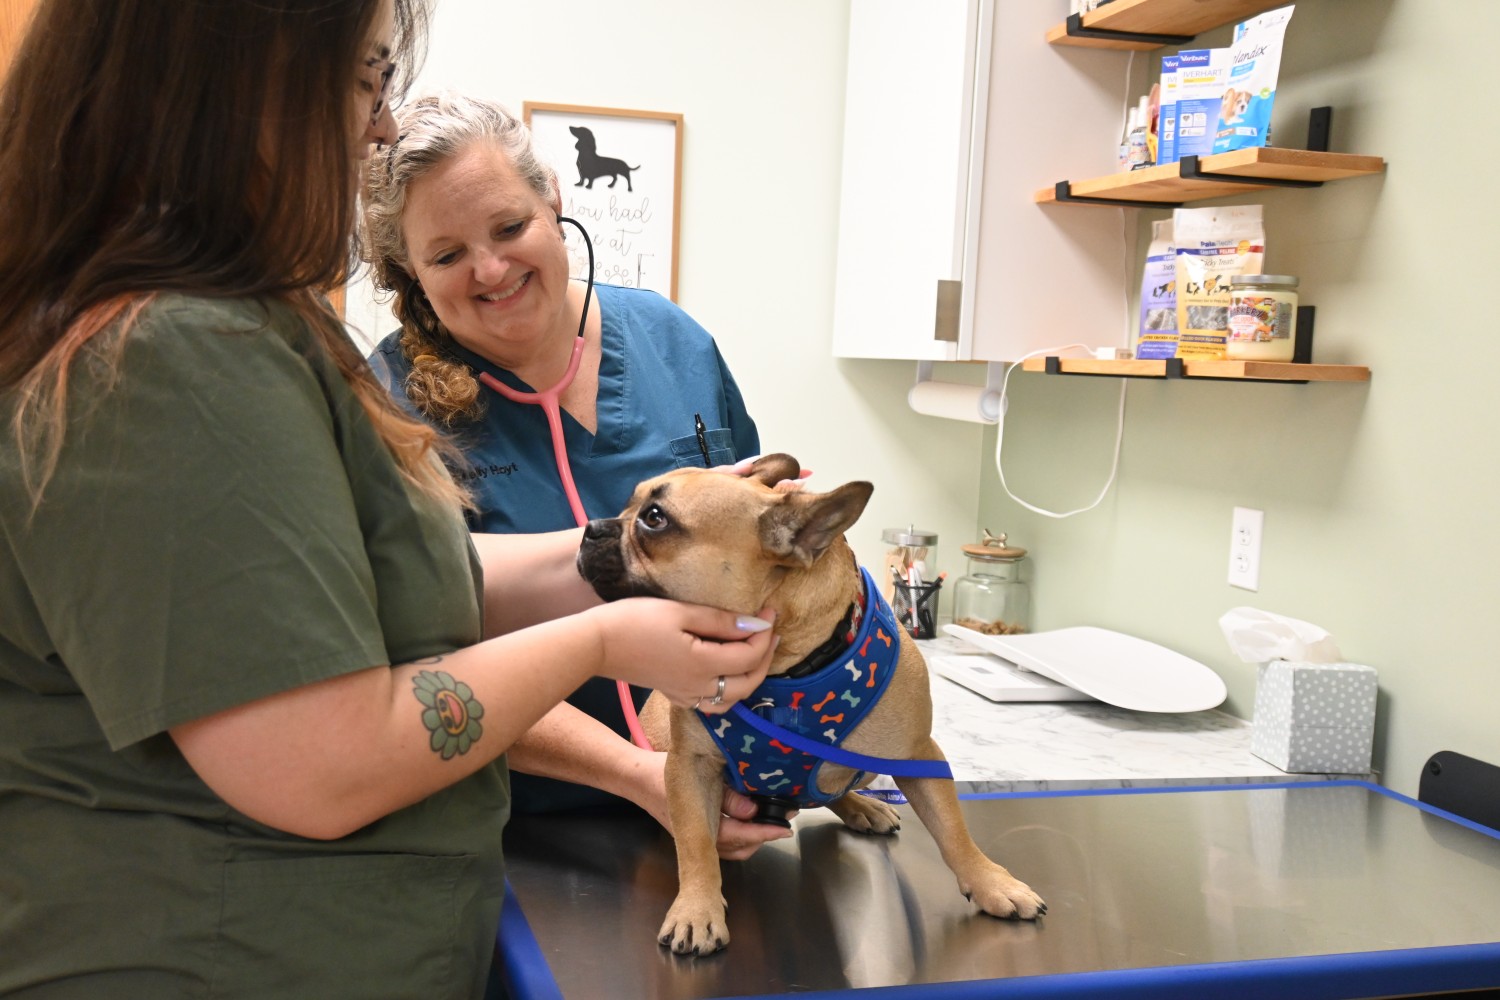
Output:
x,y
836,755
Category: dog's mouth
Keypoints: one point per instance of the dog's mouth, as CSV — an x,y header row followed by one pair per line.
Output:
x,y
602,564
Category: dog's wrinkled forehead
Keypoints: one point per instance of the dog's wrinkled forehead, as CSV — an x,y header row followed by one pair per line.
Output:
x,y
699,496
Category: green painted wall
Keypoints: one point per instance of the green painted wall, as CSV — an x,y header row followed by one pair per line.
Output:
x,y
1378,498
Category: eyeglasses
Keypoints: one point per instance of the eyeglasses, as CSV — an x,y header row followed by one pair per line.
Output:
x,y
387,70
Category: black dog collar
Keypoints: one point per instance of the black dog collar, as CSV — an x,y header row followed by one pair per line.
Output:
x,y
834,646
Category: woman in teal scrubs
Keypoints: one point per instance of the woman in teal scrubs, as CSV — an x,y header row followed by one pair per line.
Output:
x,y
463,227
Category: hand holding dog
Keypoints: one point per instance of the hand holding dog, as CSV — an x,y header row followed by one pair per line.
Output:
x,y
737,839
746,467
683,650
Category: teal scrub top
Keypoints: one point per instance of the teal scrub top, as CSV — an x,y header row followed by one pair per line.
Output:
x,y
659,374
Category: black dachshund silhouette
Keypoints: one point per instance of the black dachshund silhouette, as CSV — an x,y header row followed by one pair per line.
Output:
x,y
592,166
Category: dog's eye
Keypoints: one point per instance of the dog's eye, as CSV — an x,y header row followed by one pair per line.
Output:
x,y
653,518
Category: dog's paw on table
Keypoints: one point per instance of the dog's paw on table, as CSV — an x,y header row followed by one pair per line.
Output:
x,y
1001,894
866,814
693,927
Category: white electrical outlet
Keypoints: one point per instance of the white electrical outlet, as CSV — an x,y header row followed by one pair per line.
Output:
x,y
1244,547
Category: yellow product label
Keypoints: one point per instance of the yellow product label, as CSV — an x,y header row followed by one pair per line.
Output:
x,y
1203,274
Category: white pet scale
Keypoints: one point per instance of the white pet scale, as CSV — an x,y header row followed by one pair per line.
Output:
x,y
1080,664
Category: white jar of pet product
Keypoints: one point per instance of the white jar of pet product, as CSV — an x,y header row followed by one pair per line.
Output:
x,y
1262,317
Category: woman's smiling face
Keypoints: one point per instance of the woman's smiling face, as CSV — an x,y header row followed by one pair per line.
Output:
x,y
489,253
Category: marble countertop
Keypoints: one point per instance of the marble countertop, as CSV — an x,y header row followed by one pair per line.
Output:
x,y
1039,746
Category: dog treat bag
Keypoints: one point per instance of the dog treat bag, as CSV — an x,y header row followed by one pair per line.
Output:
x,y
1200,93
1213,245
1166,115
1250,82
1158,333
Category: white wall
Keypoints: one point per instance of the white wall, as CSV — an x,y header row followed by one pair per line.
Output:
x,y
761,89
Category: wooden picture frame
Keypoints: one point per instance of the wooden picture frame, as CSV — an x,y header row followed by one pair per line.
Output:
x,y
626,190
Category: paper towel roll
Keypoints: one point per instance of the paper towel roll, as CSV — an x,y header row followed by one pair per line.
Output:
x,y
974,403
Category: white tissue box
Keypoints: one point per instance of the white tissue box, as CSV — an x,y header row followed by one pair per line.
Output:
x,y
1314,717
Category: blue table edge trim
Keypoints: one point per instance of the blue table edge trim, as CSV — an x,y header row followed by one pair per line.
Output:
x,y
1343,976
528,976
523,967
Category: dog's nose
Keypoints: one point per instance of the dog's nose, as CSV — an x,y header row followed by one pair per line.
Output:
x,y
600,528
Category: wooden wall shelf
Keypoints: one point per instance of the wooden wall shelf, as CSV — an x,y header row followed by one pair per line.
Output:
x,y
1163,22
1245,371
1236,172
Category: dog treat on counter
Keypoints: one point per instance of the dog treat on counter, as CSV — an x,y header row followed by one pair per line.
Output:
x,y
990,628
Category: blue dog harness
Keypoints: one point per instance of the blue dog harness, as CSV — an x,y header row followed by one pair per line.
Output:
x,y
793,725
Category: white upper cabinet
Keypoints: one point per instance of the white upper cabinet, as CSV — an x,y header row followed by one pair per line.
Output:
x,y
904,199
956,112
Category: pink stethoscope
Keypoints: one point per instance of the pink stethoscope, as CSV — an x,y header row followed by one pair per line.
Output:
x,y
548,400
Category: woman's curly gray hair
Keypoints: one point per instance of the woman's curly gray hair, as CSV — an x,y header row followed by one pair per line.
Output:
x,y
432,130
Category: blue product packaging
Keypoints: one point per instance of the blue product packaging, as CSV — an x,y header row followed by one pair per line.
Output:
x,y
1250,82
1200,94
1166,122
1157,338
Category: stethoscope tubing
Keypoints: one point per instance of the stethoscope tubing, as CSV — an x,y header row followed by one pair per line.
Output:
x,y
548,400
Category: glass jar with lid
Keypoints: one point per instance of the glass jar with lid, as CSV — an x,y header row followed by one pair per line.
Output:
x,y
911,558
1262,318
993,598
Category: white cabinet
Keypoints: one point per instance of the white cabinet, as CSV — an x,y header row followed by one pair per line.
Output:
x,y
908,122
956,111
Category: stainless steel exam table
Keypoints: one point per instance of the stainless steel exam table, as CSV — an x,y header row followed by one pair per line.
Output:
x,y
1324,889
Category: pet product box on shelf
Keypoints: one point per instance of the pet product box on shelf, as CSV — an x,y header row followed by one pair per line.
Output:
x,y
1314,717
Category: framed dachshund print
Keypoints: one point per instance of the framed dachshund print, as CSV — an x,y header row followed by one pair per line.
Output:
x,y
619,173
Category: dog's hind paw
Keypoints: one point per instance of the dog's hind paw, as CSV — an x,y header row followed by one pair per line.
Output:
x,y
866,814
694,928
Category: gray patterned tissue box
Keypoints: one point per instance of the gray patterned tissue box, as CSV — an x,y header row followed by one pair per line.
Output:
x,y
1314,717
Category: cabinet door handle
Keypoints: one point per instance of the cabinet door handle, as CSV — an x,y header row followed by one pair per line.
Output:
x,y
949,299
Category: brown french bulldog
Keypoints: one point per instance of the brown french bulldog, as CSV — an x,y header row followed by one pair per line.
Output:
x,y
738,543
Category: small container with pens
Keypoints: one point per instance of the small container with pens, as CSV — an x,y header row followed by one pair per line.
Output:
x,y
912,581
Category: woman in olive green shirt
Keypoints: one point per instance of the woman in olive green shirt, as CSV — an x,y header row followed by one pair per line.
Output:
x,y
256,679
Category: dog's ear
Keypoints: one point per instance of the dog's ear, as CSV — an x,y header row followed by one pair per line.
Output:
x,y
797,530
772,469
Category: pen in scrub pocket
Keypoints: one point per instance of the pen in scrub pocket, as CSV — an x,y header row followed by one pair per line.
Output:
x,y
702,433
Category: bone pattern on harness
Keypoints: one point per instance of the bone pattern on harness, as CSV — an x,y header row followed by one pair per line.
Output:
x,y
868,663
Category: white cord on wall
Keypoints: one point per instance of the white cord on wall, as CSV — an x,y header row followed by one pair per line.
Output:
x,y
1114,464
1000,435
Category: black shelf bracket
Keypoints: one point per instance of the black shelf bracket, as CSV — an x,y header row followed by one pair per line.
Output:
x,y
1188,170
1303,339
1054,367
1077,30
1063,191
1319,125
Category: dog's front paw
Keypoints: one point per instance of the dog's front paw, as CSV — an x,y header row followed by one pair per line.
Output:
x,y
1000,894
694,927
866,814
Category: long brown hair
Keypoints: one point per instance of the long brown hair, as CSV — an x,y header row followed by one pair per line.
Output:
x,y
203,148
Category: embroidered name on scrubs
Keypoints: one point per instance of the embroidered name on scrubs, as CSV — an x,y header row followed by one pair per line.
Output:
x,y
825,707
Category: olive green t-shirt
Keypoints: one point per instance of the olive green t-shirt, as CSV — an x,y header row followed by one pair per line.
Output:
x,y
223,524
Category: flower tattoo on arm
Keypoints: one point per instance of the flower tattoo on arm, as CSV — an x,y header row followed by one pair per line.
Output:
x,y
449,711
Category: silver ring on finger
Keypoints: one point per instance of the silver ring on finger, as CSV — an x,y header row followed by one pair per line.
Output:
x,y
718,698
696,703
